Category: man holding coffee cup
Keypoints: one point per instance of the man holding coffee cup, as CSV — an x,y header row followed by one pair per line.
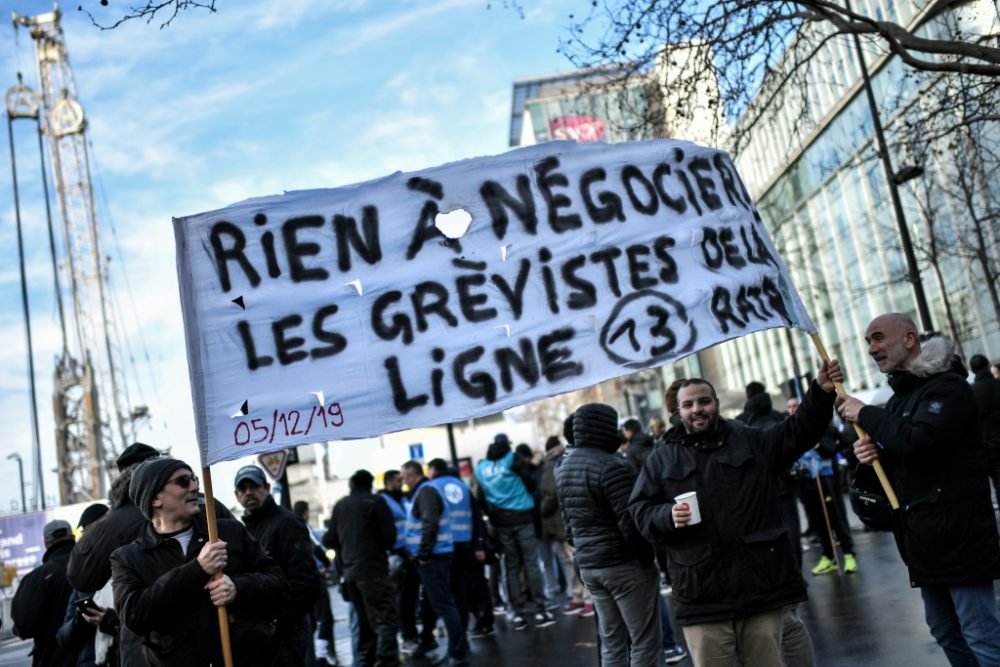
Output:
x,y
731,561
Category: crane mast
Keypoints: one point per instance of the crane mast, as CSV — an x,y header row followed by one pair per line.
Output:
x,y
93,420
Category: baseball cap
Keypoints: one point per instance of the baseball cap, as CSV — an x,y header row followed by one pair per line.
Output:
x,y
251,472
501,438
56,530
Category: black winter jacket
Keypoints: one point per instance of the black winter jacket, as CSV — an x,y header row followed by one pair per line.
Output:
x,y
38,606
160,595
739,560
90,563
593,487
932,452
362,531
639,450
987,391
286,539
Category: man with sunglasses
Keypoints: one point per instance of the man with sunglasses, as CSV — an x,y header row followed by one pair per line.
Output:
x,y
287,540
165,583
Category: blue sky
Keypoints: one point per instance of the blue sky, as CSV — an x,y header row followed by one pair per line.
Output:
x,y
257,98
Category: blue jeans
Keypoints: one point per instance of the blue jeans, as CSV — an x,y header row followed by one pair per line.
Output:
x,y
965,623
435,575
665,629
626,599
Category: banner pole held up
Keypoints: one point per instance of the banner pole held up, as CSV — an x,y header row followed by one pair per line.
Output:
x,y
213,536
876,464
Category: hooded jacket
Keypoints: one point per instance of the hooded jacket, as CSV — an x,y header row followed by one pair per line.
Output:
x,y
593,487
739,560
932,451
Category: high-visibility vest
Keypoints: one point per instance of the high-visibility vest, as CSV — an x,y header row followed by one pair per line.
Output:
x,y
414,526
501,485
399,517
458,498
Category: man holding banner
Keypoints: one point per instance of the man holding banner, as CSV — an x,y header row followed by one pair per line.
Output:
x,y
928,440
731,561
165,586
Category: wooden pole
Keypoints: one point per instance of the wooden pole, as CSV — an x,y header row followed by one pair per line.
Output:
x,y
826,518
876,464
213,536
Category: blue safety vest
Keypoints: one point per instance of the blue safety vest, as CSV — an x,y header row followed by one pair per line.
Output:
x,y
502,486
414,527
458,498
399,516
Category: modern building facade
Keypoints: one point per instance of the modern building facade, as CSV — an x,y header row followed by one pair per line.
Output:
x,y
812,166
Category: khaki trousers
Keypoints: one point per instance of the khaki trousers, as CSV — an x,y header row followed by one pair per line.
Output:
x,y
752,641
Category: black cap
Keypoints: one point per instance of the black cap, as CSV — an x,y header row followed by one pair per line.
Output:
x,y
135,453
92,514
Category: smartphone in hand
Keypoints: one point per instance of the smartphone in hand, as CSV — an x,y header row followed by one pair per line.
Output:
x,y
86,604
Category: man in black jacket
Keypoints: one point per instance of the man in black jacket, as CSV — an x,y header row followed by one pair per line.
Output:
x,y
987,391
616,563
165,583
363,531
38,606
286,539
639,444
430,541
928,440
733,571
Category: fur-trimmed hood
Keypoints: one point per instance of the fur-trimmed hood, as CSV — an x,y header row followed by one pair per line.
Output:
x,y
936,356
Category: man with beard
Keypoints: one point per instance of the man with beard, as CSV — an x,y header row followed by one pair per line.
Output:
x,y
286,539
734,571
928,439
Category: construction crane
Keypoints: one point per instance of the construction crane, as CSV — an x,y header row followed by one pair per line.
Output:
x,y
94,420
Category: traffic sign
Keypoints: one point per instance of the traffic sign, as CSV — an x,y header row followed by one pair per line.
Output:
x,y
274,463
417,451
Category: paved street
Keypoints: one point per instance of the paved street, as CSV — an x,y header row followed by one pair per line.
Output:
x,y
871,618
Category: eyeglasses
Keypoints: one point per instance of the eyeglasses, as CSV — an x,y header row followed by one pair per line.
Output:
x,y
184,481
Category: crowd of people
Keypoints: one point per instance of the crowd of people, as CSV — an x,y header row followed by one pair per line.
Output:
x,y
601,524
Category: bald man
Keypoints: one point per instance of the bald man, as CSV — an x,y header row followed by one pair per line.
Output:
x,y
927,438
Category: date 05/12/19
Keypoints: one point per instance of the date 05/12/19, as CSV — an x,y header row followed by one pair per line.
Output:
x,y
289,423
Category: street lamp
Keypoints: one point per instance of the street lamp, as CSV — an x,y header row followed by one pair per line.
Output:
x,y
20,474
894,179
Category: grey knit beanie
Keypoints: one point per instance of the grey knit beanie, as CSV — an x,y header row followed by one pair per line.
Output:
x,y
149,479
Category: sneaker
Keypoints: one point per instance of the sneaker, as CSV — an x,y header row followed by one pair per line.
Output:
x,y
573,608
499,609
426,650
480,633
520,623
588,610
409,645
672,655
850,564
544,619
824,566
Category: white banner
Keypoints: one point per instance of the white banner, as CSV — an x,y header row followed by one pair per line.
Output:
x,y
347,313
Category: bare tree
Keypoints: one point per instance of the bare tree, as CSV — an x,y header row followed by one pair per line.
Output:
x,y
164,11
763,53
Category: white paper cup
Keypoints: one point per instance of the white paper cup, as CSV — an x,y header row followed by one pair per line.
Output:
x,y
691,498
